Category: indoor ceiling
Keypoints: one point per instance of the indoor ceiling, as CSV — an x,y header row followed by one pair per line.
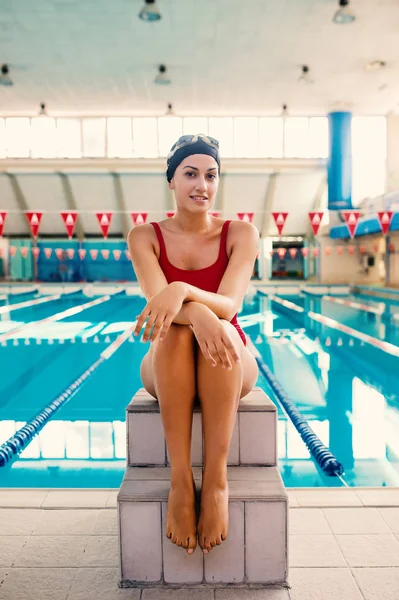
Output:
x,y
224,57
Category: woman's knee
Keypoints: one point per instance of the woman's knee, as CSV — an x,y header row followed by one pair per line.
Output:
x,y
177,335
233,333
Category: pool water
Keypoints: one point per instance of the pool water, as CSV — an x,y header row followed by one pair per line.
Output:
x,y
345,387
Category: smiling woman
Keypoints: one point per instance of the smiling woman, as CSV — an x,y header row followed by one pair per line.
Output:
x,y
194,270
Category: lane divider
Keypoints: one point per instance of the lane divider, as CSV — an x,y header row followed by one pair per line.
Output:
x,y
56,317
28,303
287,304
357,305
13,447
329,464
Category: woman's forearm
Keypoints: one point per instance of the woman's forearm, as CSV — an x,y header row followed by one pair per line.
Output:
x,y
184,316
221,306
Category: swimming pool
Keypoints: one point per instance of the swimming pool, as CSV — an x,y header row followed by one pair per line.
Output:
x,y
338,364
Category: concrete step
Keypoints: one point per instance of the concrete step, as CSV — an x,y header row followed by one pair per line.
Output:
x,y
254,554
254,440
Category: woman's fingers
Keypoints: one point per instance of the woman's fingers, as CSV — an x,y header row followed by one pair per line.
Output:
x,y
156,328
222,354
229,344
165,327
151,320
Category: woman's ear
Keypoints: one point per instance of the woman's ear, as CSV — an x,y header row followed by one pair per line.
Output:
x,y
171,185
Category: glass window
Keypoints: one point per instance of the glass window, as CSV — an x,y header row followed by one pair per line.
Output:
x,y
119,137
69,138
77,439
246,138
318,137
169,131
145,137
271,137
222,128
93,134
18,137
2,140
195,125
44,142
296,137
368,158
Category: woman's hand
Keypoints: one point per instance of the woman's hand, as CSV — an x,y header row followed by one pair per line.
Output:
x,y
161,310
212,337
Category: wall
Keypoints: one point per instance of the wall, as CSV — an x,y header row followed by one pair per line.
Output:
x,y
393,279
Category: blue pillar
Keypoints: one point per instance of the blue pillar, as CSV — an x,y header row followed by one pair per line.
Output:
x,y
340,161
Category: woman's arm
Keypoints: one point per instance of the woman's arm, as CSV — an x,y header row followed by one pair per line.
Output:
x,y
233,287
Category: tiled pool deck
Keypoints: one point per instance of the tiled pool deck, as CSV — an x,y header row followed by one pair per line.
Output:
x,y
62,545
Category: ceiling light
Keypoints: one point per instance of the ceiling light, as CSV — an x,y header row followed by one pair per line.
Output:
x,y
374,65
284,110
344,14
305,77
150,11
162,78
170,111
5,77
43,110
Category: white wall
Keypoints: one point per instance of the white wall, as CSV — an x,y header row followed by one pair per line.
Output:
x,y
394,262
349,269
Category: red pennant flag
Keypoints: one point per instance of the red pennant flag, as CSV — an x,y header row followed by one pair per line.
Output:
x,y
127,254
340,250
293,252
82,253
215,213
385,219
59,253
70,253
392,247
13,250
105,254
351,250
328,250
362,249
351,219
316,252
1,252
305,252
117,254
36,252
139,218
281,252
48,252
279,219
34,219
315,221
69,219
104,220
2,221
376,247
94,253
24,251
247,217
170,214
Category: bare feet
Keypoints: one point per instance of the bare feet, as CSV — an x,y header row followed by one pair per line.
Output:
x,y
214,516
180,517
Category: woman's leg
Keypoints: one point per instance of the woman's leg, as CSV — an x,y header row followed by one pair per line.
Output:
x,y
168,373
219,391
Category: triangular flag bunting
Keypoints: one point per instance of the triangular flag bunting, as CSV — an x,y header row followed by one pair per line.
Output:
x,y
340,250
247,217
69,219
59,253
305,252
279,219
36,252
385,219
104,220
170,214
82,253
139,218
351,219
351,250
48,252
34,219
316,252
24,251
376,247
281,252
315,221
94,253
328,250
362,249
13,250
293,252
117,254
392,248
127,254
105,254
70,253
2,221
215,213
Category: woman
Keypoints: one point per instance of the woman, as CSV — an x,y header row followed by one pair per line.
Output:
x,y
194,270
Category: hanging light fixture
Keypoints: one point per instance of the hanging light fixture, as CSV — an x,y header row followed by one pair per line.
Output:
x,y
305,77
162,78
150,11
43,110
344,14
5,78
170,111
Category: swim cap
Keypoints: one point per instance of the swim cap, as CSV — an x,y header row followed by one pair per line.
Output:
x,y
187,148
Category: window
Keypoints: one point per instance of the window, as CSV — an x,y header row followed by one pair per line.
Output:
x,y
221,128
2,138
18,141
296,137
119,137
93,134
44,141
169,131
145,138
69,138
369,152
318,137
271,137
195,125
246,138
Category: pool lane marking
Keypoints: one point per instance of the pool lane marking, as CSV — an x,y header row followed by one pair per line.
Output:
x,y
287,304
381,345
28,303
364,307
56,317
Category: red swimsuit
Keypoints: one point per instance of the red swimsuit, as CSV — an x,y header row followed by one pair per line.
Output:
x,y
207,279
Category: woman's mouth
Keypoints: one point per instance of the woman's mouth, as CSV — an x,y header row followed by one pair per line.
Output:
x,y
199,199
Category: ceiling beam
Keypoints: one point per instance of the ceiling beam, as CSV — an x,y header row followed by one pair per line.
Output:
x,y
268,204
71,203
19,196
121,204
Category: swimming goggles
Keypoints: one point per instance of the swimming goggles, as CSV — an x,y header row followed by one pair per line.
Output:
x,y
184,140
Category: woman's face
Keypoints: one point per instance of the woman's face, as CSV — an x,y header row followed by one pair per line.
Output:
x,y
195,182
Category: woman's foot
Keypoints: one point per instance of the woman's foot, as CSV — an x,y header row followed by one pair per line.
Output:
x,y
214,515
180,516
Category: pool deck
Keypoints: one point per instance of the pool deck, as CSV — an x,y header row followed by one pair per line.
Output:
x,y
62,545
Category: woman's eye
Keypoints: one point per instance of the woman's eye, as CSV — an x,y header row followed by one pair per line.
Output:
x,y
212,176
189,173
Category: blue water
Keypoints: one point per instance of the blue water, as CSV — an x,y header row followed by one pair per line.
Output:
x,y
346,389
